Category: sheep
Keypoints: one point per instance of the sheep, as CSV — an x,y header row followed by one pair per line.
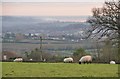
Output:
x,y
85,59
112,62
68,60
31,59
18,60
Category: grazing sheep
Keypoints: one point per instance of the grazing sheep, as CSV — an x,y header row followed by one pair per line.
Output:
x,y
68,60
112,62
18,60
85,59
31,59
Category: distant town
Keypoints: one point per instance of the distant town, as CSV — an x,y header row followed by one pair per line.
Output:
x,y
58,35
18,37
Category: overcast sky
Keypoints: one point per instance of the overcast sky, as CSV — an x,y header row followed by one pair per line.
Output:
x,y
53,0
49,7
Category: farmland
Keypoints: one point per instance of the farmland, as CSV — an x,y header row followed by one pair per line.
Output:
x,y
23,69
64,47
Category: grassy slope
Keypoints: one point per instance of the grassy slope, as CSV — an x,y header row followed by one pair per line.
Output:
x,y
18,69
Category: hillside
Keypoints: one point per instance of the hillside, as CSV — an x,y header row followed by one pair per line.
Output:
x,y
31,24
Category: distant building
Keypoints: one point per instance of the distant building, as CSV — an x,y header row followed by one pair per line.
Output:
x,y
8,37
7,55
4,57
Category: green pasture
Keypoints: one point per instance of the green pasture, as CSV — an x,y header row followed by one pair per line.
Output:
x,y
23,69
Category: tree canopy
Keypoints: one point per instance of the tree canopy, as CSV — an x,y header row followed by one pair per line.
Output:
x,y
106,20
79,52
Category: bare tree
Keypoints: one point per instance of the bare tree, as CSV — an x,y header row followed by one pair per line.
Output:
x,y
105,22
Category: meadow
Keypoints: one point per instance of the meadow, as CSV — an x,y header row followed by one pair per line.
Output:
x,y
25,69
62,48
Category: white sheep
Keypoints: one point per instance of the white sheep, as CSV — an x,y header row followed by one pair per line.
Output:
x,y
68,60
112,62
18,60
85,59
31,59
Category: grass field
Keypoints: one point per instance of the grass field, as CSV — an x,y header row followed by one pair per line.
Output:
x,y
20,47
22,69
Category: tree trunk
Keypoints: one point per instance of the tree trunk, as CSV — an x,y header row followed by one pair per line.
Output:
x,y
119,56
119,48
119,39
